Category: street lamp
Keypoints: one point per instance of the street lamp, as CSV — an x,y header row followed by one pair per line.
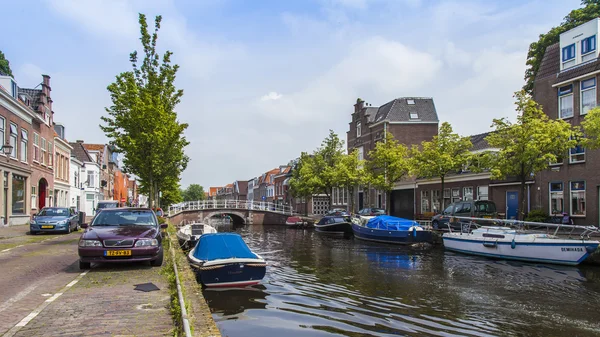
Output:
x,y
7,150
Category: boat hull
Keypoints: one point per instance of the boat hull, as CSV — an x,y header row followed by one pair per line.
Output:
x,y
391,236
336,228
230,274
553,251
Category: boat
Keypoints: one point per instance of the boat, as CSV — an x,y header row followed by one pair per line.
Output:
x,y
224,260
334,225
188,235
390,229
296,221
510,243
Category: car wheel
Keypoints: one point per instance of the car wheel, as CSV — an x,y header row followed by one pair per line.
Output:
x,y
84,265
77,227
435,224
158,262
33,233
69,229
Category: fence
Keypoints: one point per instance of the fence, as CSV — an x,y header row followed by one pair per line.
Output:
x,y
230,204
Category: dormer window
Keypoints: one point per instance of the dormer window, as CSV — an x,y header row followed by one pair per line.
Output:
x,y
414,115
568,56
588,45
410,101
358,129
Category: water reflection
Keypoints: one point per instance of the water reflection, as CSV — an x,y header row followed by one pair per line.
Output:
x,y
322,286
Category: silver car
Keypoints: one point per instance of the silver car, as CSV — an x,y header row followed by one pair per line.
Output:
x,y
54,219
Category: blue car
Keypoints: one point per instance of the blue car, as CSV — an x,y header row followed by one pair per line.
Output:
x,y
54,219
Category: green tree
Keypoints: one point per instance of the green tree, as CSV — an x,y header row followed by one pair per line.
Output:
x,y
5,65
303,182
576,17
324,162
529,145
349,173
388,164
194,192
446,153
142,123
591,127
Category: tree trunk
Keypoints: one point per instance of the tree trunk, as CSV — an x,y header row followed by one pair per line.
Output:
x,y
442,195
521,208
351,196
388,204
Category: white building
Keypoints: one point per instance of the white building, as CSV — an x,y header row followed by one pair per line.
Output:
x,y
75,192
62,163
89,179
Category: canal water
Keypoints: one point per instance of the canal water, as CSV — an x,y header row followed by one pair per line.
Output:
x,y
322,285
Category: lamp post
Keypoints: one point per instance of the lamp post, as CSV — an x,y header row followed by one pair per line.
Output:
x,y
7,150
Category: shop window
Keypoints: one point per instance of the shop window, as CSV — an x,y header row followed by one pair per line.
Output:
x,y
18,194
557,203
578,198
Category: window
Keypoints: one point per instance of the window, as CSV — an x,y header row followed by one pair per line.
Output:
x,y
358,129
36,147
578,198
435,201
577,154
559,161
565,101
2,132
90,179
410,101
33,197
414,115
588,95
468,193
455,194
588,45
13,140
557,204
18,194
50,156
425,202
43,154
482,193
360,153
24,145
568,56
446,196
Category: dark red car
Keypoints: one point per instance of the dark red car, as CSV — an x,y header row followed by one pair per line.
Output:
x,y
122,235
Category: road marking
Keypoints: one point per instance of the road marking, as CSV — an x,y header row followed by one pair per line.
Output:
x,y
5,250
20,295
42,306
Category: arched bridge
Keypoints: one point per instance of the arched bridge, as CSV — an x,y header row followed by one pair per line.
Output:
x,y
241,212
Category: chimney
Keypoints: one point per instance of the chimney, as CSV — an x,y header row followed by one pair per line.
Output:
x,y
79,141
359,105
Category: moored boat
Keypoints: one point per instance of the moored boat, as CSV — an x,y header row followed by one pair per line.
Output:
x,y
334,225
224,260
389,229
295,221
515,244
188,235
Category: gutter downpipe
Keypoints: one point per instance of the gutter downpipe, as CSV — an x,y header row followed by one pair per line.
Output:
x,y
184,316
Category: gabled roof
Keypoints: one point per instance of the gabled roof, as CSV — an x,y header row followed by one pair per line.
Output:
x,y
371,112
241,185
80,152
550,66
398,110
479,142
34,96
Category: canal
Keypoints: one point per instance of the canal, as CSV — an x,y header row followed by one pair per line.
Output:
x,y
319,285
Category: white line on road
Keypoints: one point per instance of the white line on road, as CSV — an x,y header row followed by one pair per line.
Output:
x,y
42,306
20,295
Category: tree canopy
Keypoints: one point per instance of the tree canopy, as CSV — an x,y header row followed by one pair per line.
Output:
x,y
529,145
591,128
576,17
194,192
349,173
142,123
5,65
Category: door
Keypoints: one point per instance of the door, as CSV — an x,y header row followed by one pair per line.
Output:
x,y
379,204
512,204
361,203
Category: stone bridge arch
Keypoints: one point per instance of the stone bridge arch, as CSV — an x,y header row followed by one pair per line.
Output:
x,y
237,216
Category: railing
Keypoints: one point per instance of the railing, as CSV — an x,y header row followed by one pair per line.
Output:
x,y
231,204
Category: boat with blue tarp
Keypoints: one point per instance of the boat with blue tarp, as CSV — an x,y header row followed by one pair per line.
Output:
x,y
389,229
225,260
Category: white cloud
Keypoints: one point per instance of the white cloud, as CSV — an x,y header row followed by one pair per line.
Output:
x,y
272,96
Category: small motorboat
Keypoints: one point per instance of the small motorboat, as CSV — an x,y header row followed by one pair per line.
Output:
x,y
188,235
225,260
296,221
334,225
390,229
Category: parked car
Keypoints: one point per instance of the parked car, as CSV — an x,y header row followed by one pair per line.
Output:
x,y
467,208
371,212
103,204
122,235
338,212
54,219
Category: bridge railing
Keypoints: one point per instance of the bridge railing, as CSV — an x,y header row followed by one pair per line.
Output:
x,y
231,204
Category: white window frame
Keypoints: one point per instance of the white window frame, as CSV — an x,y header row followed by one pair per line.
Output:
x,y
567,94
577,192
91,177
465,194
2,132
13,140
33,197
573,156
436,201
36,147
425,202
24,145
358,129
43,147
556,194
483,196
455,196
586,89
50,153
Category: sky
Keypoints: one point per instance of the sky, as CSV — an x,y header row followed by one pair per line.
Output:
x,y
265,80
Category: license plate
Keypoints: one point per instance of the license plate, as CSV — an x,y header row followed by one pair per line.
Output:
x,y
47,226
117,253
487,216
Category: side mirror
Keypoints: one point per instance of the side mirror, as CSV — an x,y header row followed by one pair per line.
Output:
x,y
83,225
164,225
34,215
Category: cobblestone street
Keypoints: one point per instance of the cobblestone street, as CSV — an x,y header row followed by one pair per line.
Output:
x,y
43,292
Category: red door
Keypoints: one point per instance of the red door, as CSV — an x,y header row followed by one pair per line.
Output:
x,y
42,194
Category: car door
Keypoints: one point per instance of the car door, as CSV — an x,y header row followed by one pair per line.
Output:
x,y
72,218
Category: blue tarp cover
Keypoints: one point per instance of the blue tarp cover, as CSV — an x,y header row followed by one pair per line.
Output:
x,y
388,222
215,246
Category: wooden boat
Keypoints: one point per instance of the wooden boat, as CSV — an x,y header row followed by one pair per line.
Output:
x,y
296,221
224,260
390,229
334,225
505,242
188,235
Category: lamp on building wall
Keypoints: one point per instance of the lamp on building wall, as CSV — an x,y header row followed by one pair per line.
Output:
x,y
7,150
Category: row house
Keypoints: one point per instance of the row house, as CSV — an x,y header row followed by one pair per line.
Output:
x,y
62,158
281,186
86,173
252,184
212,193
240,190
27,172
225,192
100,154
132,193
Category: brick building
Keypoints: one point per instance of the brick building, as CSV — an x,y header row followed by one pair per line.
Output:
x,y
565,86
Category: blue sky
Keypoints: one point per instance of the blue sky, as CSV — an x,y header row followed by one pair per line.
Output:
x,y
265,80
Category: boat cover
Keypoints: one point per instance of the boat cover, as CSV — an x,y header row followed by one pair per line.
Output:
x,y
388,222
215,246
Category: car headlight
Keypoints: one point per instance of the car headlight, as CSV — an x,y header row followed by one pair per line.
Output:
x,y
90,243
32,222
62,222
146,243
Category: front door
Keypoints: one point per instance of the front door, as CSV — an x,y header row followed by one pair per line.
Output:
x,y
42,191
512,204
361,202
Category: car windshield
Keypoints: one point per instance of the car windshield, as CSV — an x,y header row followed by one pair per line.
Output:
x,y
54,212
107,205
486,207
125,218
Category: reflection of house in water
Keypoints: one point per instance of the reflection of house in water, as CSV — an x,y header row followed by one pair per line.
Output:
x,y
232,301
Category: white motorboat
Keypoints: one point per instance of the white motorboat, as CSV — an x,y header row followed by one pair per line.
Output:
x,y
517,244
188,235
